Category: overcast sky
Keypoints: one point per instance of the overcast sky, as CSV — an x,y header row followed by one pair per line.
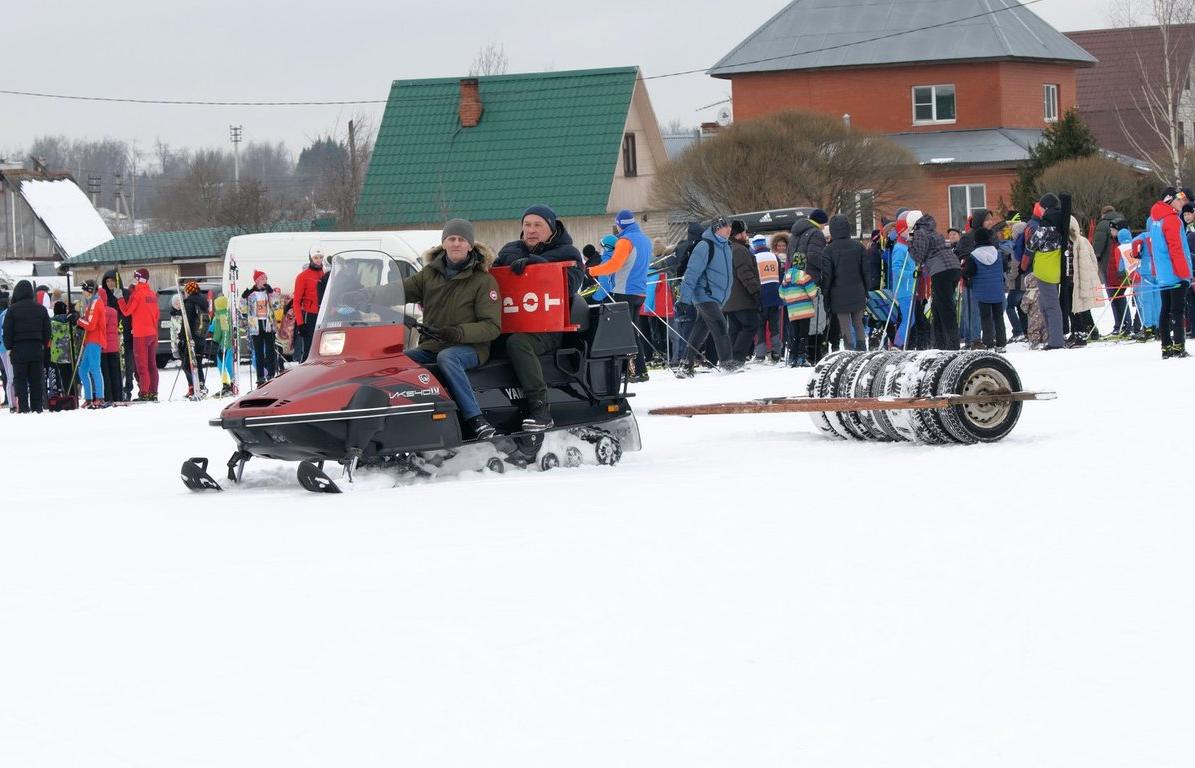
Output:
x,y
308,50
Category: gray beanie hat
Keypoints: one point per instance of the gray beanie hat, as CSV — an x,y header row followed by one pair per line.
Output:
x,y
460,228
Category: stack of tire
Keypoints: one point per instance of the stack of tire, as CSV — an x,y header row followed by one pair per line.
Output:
x,y
917,374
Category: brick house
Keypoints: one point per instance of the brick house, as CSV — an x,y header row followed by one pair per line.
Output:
x,y
1111,96
969,100
585,142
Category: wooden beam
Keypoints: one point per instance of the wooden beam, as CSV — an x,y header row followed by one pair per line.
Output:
x,y
839,404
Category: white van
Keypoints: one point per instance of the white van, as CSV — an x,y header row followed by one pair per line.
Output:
x,y
282,255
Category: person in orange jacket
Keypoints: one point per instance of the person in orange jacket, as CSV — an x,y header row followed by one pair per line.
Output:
x,y
142,307
306,302
94,323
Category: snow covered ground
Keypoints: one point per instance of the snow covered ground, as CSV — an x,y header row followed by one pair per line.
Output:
x,y
743,592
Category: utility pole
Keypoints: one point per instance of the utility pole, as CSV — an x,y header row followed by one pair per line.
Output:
x,y
120,202
352,172
234,133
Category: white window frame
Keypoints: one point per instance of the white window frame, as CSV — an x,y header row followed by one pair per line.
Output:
x,y
1048,90
933,102
971,204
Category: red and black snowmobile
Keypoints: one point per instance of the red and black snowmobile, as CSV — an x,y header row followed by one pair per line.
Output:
x,y
357,400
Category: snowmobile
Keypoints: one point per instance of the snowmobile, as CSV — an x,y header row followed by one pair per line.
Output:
x,y
358,401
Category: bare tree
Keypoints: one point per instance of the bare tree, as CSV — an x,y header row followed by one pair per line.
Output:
x,y
676,127
490,60
333,169
1092,182
1165,74
785,159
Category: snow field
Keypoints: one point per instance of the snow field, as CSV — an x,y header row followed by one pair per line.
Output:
x,y
744,591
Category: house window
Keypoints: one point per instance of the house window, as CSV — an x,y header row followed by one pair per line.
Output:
x,y
1051,102
933,104
963,199
630,163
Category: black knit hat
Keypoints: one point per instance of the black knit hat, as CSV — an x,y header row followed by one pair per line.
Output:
x,y
818,216
737,227
983,236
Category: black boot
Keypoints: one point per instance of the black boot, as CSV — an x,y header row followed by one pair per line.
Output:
x,y
481,429
539,418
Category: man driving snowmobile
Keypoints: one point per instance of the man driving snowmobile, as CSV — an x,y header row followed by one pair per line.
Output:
x,y
462,314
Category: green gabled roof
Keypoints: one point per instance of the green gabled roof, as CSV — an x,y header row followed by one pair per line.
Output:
x,y
549,137
159,247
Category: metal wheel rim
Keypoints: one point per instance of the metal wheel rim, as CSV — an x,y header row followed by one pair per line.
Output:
x,y
986,381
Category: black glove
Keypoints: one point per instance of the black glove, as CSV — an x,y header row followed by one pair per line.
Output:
x,y
449,334
520,264
410,321
72,317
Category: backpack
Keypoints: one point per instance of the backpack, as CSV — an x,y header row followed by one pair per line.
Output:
x,y
1046,245
684,264
683,250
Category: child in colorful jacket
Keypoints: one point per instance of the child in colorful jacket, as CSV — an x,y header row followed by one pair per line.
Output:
x,y
221,331
93,322
799,293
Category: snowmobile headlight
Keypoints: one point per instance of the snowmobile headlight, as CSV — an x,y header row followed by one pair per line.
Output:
x,y
331,344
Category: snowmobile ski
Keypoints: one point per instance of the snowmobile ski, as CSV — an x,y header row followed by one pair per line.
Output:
x,y
313,479
195,476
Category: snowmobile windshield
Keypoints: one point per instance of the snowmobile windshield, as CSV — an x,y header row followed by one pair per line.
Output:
x,y
364,289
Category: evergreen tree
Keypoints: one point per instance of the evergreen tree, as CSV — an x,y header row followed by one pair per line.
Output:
x,y
1064,140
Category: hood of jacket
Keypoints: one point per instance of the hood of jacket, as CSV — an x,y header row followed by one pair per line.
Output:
x,y
23,292
484,256
802,226
840,227
709,235
695,230
985,254
926,222
110,274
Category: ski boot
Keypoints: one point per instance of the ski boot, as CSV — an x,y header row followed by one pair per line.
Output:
x,y
683,372
225,390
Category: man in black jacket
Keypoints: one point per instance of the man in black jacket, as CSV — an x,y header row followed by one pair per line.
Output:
x,y
26,334
808,238
742,308
543,239
116,291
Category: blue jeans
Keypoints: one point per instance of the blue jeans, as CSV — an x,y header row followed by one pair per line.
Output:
x,y
453,363
89,372
971,327
1016,316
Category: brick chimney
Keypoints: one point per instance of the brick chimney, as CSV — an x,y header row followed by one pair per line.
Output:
x,y
471,108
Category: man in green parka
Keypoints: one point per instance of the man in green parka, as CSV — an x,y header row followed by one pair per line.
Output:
x,y
461,310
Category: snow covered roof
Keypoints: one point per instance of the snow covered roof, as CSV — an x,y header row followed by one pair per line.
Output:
x,y
67,213
818,34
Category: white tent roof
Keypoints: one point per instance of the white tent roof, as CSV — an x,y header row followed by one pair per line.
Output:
x,y
67,213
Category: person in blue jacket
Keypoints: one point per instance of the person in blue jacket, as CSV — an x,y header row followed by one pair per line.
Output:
x,y
706,287
627,266
985,270
903,273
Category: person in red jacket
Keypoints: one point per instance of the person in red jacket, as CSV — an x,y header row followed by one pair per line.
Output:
x,y
92,321
142,307
306,302
110,350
